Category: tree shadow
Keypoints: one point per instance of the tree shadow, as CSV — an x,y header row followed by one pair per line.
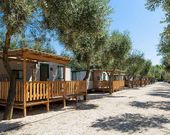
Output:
x,y
163,105
129,123
39,109
84,106
160,93
7,126
102,95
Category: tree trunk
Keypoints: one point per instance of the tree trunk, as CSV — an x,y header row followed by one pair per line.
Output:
x,y
141,80
110,82
87,75
11,96
12,78
132,82
88,71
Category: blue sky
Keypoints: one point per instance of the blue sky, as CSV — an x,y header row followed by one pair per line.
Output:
x,y
144,26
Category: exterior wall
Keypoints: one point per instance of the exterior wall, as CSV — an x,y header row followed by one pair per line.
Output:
x,y
96,76
68,74
78,75
53,72
16,65
33,68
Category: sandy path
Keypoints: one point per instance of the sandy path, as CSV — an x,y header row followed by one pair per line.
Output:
x,y
143,111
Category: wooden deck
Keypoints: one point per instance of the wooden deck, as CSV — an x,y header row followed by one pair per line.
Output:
x,y
137,83
43,92
115,86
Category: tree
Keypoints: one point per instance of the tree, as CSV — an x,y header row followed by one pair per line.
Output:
x,y
115,51
145,70
15,14
134,65
165,5
164,46
164,50
113,54
71,20
81,27
157,72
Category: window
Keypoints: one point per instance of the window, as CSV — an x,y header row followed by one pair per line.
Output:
x,y
104,77
19,74
60,73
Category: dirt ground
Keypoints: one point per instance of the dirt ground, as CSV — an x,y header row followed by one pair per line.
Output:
x,y
135,111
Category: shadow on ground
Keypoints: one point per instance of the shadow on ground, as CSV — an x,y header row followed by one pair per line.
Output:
x,y
160,93
102,95
6,126
84,106
129,123
40,109
163,105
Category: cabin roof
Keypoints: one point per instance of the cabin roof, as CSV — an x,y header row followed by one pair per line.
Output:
x,y
36,56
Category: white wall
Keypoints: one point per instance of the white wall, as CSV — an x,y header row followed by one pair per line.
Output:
x,y
68,74
16,65
33,67
78,75
53,73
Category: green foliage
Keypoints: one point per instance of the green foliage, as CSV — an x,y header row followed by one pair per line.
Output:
x,y
16,13
115,51
134,64
80,25
71,17
164,46
146,68
164,4
157,72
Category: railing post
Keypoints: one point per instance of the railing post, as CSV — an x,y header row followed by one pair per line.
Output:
x,y
64,93
85,97
25,90
48,96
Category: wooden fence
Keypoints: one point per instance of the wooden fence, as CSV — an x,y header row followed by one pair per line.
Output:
x,y
137,83
114,85
117,85
42,90
4,87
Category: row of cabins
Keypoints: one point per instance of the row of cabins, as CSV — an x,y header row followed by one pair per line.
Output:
x,y
44,78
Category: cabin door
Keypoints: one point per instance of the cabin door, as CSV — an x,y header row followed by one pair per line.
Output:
x,y
44,72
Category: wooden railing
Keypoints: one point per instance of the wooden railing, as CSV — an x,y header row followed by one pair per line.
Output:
x,y
4,87
103,84
137,83
117,85
42,90
36,91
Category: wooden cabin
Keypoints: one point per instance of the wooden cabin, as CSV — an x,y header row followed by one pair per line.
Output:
x,y
42,78
99,80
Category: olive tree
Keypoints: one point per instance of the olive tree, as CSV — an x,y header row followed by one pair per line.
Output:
x,y
15,14
69,19
145,70
113,53
80,25
134,65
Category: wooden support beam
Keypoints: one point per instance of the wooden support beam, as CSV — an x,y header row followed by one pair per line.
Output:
x,y
38,57
25,91
64,73
48,96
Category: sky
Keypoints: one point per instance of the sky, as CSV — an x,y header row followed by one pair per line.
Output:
x,y
144,26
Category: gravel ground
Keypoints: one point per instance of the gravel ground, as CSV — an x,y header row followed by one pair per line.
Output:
x,y
135,111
